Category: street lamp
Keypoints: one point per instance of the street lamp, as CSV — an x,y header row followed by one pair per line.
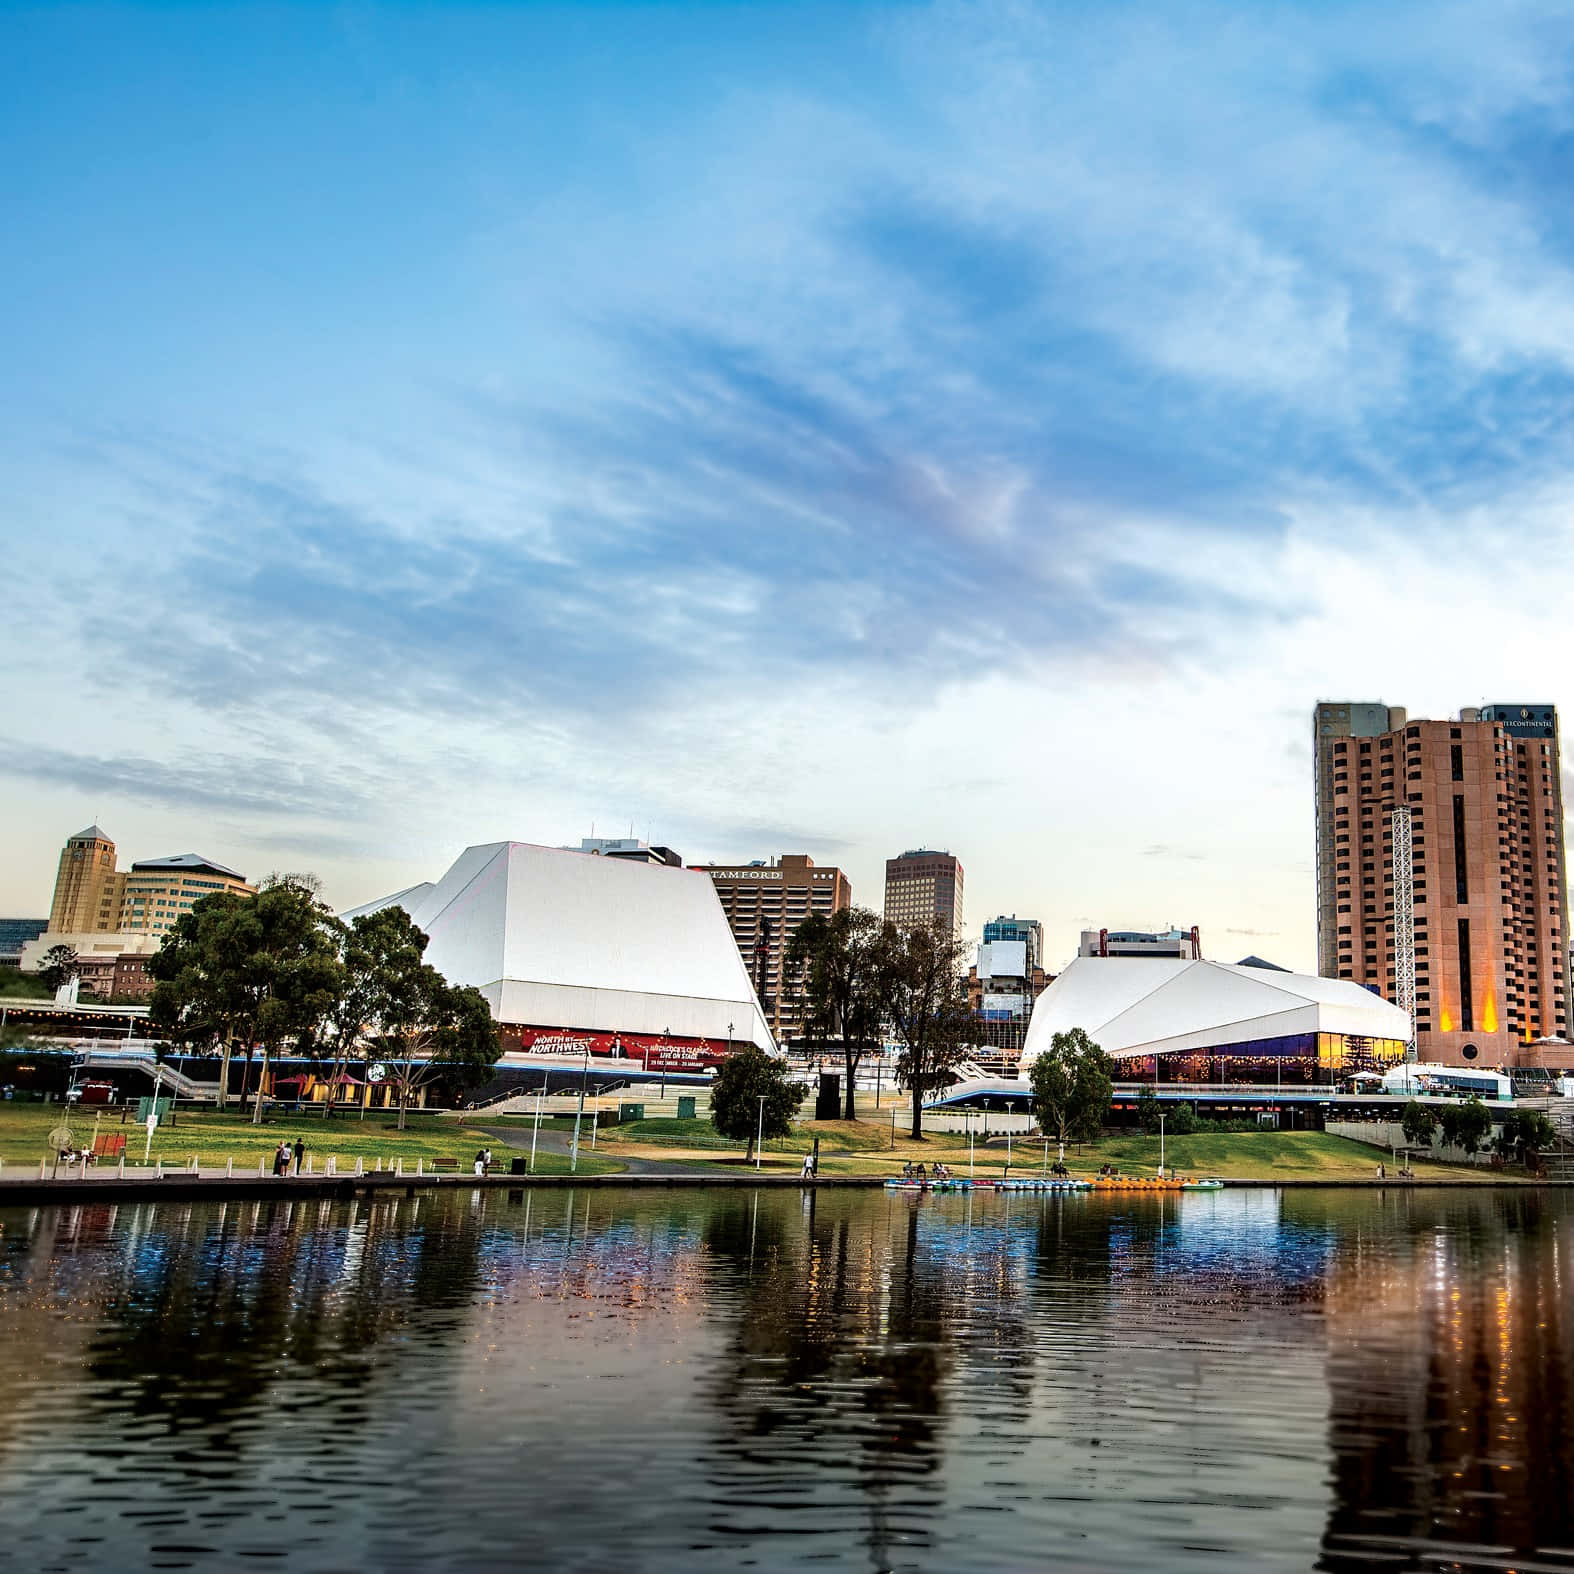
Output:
x,y
1161,1144
579,1112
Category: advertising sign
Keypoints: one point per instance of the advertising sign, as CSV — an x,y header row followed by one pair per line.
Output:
x,y
654,1051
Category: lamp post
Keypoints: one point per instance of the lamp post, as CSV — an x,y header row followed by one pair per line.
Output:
x,y
1161,1144
759,1137
579,1111
536,1129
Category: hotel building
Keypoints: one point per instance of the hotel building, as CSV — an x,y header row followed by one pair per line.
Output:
x,y
765,903
1486,874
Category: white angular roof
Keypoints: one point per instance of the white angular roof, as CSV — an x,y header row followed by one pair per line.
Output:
x,y
1161,1005
555,938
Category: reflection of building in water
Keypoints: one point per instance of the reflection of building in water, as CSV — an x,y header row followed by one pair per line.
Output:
x,y
1451,1380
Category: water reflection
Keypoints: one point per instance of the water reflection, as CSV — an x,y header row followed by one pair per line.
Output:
x,y
694,1379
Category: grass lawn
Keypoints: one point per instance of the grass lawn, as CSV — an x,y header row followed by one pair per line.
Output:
x,y
25,1128
864,1148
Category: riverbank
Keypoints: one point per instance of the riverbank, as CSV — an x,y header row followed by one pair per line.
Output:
x,y
184,1186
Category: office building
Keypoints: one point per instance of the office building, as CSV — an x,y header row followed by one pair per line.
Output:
x,y
1185,944
1002,986
628,848
1469,930
923,886
88,888
765,903
1029,931
156,891
93,897
14,934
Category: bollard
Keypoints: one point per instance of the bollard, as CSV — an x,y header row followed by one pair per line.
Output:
x,y
399,1167
160,1175
43,1169
229,1166
360,1166
309,1160
194,1164
120,1173
259,1167
418,1166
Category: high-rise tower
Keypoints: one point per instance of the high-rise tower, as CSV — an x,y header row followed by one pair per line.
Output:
x,y
1487,927
924,887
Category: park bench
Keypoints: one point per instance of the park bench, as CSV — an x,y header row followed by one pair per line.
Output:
x,y
109,1145
442,1166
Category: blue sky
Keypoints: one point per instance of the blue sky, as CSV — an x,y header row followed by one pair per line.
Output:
x,y
828,428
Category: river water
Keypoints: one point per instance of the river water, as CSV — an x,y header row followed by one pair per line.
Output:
x,y
708,1379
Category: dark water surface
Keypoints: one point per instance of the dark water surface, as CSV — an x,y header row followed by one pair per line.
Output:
x,y
695,1380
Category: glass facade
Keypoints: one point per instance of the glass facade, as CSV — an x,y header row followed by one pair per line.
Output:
x,y
1296,1059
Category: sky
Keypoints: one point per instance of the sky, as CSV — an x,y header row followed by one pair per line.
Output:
x,y
805,428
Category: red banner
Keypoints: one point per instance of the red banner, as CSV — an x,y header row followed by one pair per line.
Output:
x,y
654,1051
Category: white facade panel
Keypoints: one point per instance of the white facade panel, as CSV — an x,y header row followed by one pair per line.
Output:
x,y
1143,1006
557,938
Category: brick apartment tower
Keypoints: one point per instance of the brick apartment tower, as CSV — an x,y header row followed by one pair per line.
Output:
x,y
1486,805
923,885
765,903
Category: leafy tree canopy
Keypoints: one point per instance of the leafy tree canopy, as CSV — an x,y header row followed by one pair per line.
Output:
x,y
746,1076
1073,1081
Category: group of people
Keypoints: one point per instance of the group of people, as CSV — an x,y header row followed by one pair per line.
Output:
x,y
917,1172
483,1161
287,1159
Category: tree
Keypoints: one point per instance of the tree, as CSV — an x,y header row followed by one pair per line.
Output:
x,y
840,958
1148,1111
60,967
379,953
261,971
1418,1124
1522,1136
1465,1125
443,1031
1073,1081
1182,1120
745,1077
925,996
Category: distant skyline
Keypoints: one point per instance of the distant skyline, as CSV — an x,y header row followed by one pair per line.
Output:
x,y
828,429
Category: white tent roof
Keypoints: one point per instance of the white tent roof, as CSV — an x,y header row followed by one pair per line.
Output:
x,y
1160,1005
555,938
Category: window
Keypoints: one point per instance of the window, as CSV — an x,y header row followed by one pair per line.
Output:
x,y
1456,760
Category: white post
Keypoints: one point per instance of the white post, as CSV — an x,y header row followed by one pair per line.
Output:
x,y
595,1120
970,1144
360,1165
121,1172
43,1169
418,1166
399,1166
1161,1144
759,1137
535,1130
579,1112
229,1166
259,1165
161,1166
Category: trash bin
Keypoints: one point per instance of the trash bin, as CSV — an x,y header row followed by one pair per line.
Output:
x,y
630,1112
519,1166
686,1108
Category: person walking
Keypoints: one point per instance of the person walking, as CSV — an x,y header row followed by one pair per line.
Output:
x,y
807,1172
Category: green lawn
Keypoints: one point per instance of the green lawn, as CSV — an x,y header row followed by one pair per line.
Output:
x,y
864,1148
25,1128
